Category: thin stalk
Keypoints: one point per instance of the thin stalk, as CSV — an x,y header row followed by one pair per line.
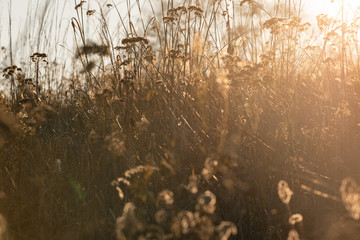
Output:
x,y
12,86
342,48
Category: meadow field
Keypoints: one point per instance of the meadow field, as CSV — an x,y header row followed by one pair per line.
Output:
x,y
213,119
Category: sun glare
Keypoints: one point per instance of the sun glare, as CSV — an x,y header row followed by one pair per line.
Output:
x,y
333,8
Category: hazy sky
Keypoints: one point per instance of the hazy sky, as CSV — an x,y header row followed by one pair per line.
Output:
x,y
19,10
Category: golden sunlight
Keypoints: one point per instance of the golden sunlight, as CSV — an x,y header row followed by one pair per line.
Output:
x,y
332,7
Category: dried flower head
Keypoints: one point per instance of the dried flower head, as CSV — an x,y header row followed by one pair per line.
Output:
x,y
90,12
12,71
120,192
139,169
284,192
128,223
293,235
226,229
169,19
350,195
206,203
161,216
196,10
79,5
209,168
116,183
193,184
295,218
165,197
186,220
36,57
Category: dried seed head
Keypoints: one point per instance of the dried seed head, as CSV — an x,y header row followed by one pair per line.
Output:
x,y
284,192
128,223
295,218
293,235
79,5
169,19
165,197
350,195
206,203
90,12
186,220
140,169
209,168
193,184
161,216
226,229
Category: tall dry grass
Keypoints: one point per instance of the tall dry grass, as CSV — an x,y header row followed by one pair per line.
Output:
x,y
209,120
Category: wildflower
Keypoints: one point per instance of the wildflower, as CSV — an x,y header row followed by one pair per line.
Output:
x,y
116,184
284,192
209,169
38,56
293,235
165,197
168,19
90,12
79,5
161,216
124,181
295,218
350,195
206,203
197,10
128,225
205,227
120,192
226,229
192,186
139,169
186,220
